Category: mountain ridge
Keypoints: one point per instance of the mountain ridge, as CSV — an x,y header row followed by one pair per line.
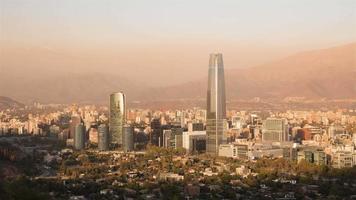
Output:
x,y
7,102
307,74
322,73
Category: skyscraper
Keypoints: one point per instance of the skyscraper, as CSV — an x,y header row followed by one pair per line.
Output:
x,y
79,137
156,136
117,117
103,137
216,104
128,138
75,120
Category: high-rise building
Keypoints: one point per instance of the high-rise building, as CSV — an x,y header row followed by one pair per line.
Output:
x,y
117,117
128,138
79,137
156,136
169,136
93,135
103,137
75,120
274,130
216,104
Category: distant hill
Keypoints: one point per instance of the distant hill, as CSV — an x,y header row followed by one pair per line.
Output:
x,y
329,73
325,73
69,88
6,102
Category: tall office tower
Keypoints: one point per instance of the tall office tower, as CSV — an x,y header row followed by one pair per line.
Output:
x,y
117,117
156,137
169,136
75,120
79,137
274,130
216,104
128,138
103,137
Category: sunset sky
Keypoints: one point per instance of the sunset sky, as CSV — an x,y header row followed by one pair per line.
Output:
x,y
170,38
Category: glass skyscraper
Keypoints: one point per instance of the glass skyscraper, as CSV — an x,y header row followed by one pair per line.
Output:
x,y
79,137
216,104
117,117
103,137
128,138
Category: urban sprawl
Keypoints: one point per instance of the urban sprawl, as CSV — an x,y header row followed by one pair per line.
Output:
x,y
115,152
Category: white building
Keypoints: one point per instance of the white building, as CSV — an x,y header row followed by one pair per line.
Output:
x,y
228,150
342,159
240,151
194,141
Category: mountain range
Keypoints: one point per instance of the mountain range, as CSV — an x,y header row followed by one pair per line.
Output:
x,y
324,73
6,102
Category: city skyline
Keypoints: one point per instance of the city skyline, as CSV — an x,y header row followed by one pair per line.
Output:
x,y
155,53
203,99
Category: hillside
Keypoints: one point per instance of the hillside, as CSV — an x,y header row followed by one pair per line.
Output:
x,y
6,102
69,88
326,73
329,73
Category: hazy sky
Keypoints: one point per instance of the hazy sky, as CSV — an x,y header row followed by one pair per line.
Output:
x,y
165,42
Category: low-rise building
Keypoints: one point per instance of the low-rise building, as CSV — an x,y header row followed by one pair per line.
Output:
x,y
341,159
316,156
170,177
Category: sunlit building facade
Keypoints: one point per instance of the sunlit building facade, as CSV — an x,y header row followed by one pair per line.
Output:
x,y
117,117
275,130
216,104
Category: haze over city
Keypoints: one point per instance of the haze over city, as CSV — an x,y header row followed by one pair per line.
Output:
x,y
147,42
124,100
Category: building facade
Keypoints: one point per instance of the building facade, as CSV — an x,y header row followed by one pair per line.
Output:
x,y
216,104
128,138
194,141
156,135
103,137
342,159
117,117
74,121
316,156
274,130
79,137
